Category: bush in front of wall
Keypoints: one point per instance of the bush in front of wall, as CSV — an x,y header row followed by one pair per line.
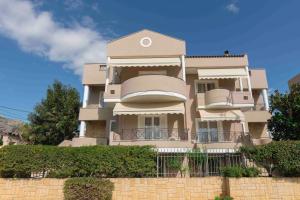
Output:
x,y
281,157
224,198
20,161
88,188
237,171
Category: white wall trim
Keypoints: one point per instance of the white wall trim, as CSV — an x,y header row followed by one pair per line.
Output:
x,y
112,100
158,93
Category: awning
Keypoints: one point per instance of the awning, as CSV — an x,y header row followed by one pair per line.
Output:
x,y
145,62
219,115
148,109
222,73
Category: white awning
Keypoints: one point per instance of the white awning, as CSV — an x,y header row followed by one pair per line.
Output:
x,y
222,73
219,115
148,108
145,62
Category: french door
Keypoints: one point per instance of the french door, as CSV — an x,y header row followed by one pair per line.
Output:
x,y
203,87
152,127
208,131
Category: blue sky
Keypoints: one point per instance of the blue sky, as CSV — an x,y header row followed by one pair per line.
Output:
x,y
46,40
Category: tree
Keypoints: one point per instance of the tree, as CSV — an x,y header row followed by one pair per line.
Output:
x,y
285,107
55,118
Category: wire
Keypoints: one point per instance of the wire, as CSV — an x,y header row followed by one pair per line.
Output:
x,y
11,116
15,109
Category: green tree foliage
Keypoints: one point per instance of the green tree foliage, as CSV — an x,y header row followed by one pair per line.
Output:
x,y
279,158
88,188
55,118
285,122
20,161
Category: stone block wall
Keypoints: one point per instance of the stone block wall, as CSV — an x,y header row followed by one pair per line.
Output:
x,y
168,188
162,188
31,189
264,188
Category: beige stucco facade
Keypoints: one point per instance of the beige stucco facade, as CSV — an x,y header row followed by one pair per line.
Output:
x,y
294,80
212,102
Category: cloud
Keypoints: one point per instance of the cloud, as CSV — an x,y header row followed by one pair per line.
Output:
x,y
233,7
37,32
73,4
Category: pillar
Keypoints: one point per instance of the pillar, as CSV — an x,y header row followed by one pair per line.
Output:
x,y
265,97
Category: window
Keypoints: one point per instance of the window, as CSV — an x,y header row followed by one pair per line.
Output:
x,y
209,131
152,126
202,87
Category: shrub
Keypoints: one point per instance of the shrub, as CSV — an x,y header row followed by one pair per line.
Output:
x,y
224,198
1,141
62,162
282,157
88,188
237,171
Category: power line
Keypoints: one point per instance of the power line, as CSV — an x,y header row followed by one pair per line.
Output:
x,y
11,116
15,109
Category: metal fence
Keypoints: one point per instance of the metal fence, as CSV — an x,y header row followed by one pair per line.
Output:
x,y
151,133
195,163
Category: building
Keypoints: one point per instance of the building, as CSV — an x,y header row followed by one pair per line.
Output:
x,y
294,80
149,92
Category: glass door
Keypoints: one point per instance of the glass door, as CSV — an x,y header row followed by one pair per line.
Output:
x,y
152,128
207,131
148,128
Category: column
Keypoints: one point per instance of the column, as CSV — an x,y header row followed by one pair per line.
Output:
x,y
82,129
265,97
183,67
85,96
249,81
84,105
241,84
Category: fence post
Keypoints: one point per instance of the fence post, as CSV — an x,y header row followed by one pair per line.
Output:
x,y
157,163
206,166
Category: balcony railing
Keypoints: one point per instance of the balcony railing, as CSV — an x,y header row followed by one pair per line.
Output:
x,y
215,136
151,133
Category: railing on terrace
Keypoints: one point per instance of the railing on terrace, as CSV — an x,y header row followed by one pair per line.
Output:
x,y
196,163
215,136
151,133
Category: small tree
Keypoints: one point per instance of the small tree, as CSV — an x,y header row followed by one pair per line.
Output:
x,y
55,118
285,107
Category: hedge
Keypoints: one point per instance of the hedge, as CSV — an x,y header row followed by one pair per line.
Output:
x,y
237,171
88,188
21,161
278,158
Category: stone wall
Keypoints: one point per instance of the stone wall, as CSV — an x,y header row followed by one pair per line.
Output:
x,y
31,189
264,188
168,188
162,188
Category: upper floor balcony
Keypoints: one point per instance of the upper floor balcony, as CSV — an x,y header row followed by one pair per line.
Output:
x,y
224,98
94,74
147,88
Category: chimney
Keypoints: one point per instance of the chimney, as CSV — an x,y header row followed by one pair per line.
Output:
x,y
226,53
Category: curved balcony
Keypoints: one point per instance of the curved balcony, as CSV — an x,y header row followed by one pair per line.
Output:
x,y
153,88
218,98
